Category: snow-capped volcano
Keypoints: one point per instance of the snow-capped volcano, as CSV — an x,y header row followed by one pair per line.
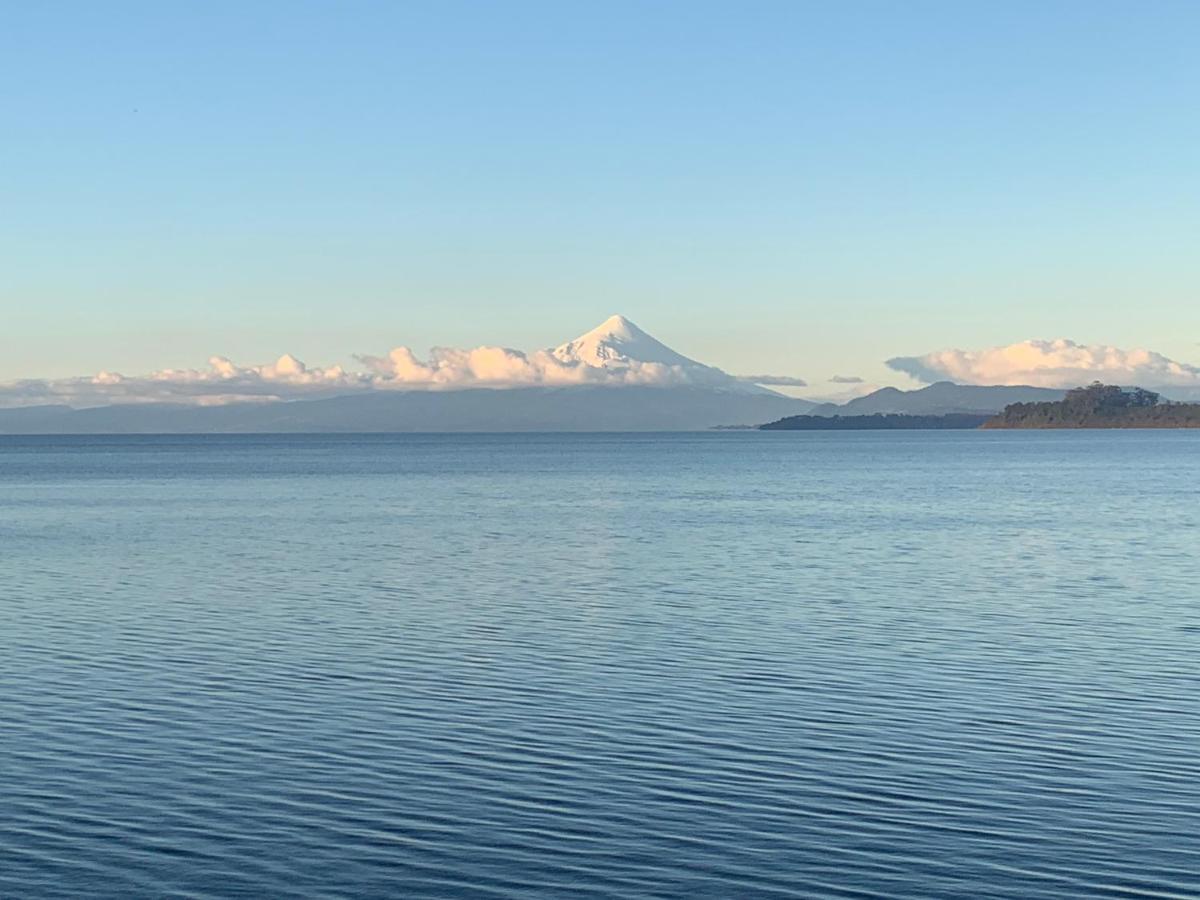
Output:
x,y
617,344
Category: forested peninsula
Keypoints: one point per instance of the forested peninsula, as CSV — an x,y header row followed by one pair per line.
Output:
x,y
1100,406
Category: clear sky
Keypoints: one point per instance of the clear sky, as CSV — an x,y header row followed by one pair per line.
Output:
x,y
799,188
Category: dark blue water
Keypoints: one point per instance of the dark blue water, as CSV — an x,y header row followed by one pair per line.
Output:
x,y
922,664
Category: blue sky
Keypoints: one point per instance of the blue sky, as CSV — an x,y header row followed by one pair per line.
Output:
x,y
798,188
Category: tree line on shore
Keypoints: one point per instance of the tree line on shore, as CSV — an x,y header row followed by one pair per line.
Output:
x,y
1094,406
1100,406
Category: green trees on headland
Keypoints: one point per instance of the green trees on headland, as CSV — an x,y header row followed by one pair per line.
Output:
x,y
1095,406
1100,406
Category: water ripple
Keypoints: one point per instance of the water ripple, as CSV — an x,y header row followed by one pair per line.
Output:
x,y
826,665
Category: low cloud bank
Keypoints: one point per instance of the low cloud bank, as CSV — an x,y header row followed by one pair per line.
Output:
x,y
222,382
1055,364
1051,364
449,368
288,378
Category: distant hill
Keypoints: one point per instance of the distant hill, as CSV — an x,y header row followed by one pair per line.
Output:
x,y
583,408
942,398
1100,406
876,422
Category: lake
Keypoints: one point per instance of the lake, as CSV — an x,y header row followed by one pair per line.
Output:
x,y
797,664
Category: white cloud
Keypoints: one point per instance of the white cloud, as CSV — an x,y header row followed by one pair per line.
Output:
x,y
1054,364
222,382
449,368
288,378
845,379
615,353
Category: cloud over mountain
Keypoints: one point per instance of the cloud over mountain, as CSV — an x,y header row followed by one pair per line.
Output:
x,y
1053,364
617,353
222,382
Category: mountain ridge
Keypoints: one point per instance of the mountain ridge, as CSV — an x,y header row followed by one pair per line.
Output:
x,y
578,408
614,377
940,398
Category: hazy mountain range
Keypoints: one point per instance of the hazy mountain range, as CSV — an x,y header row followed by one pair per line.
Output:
x,y
583,408
615,377
939,399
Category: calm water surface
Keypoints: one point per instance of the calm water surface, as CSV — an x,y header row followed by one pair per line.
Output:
x,y
912,664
